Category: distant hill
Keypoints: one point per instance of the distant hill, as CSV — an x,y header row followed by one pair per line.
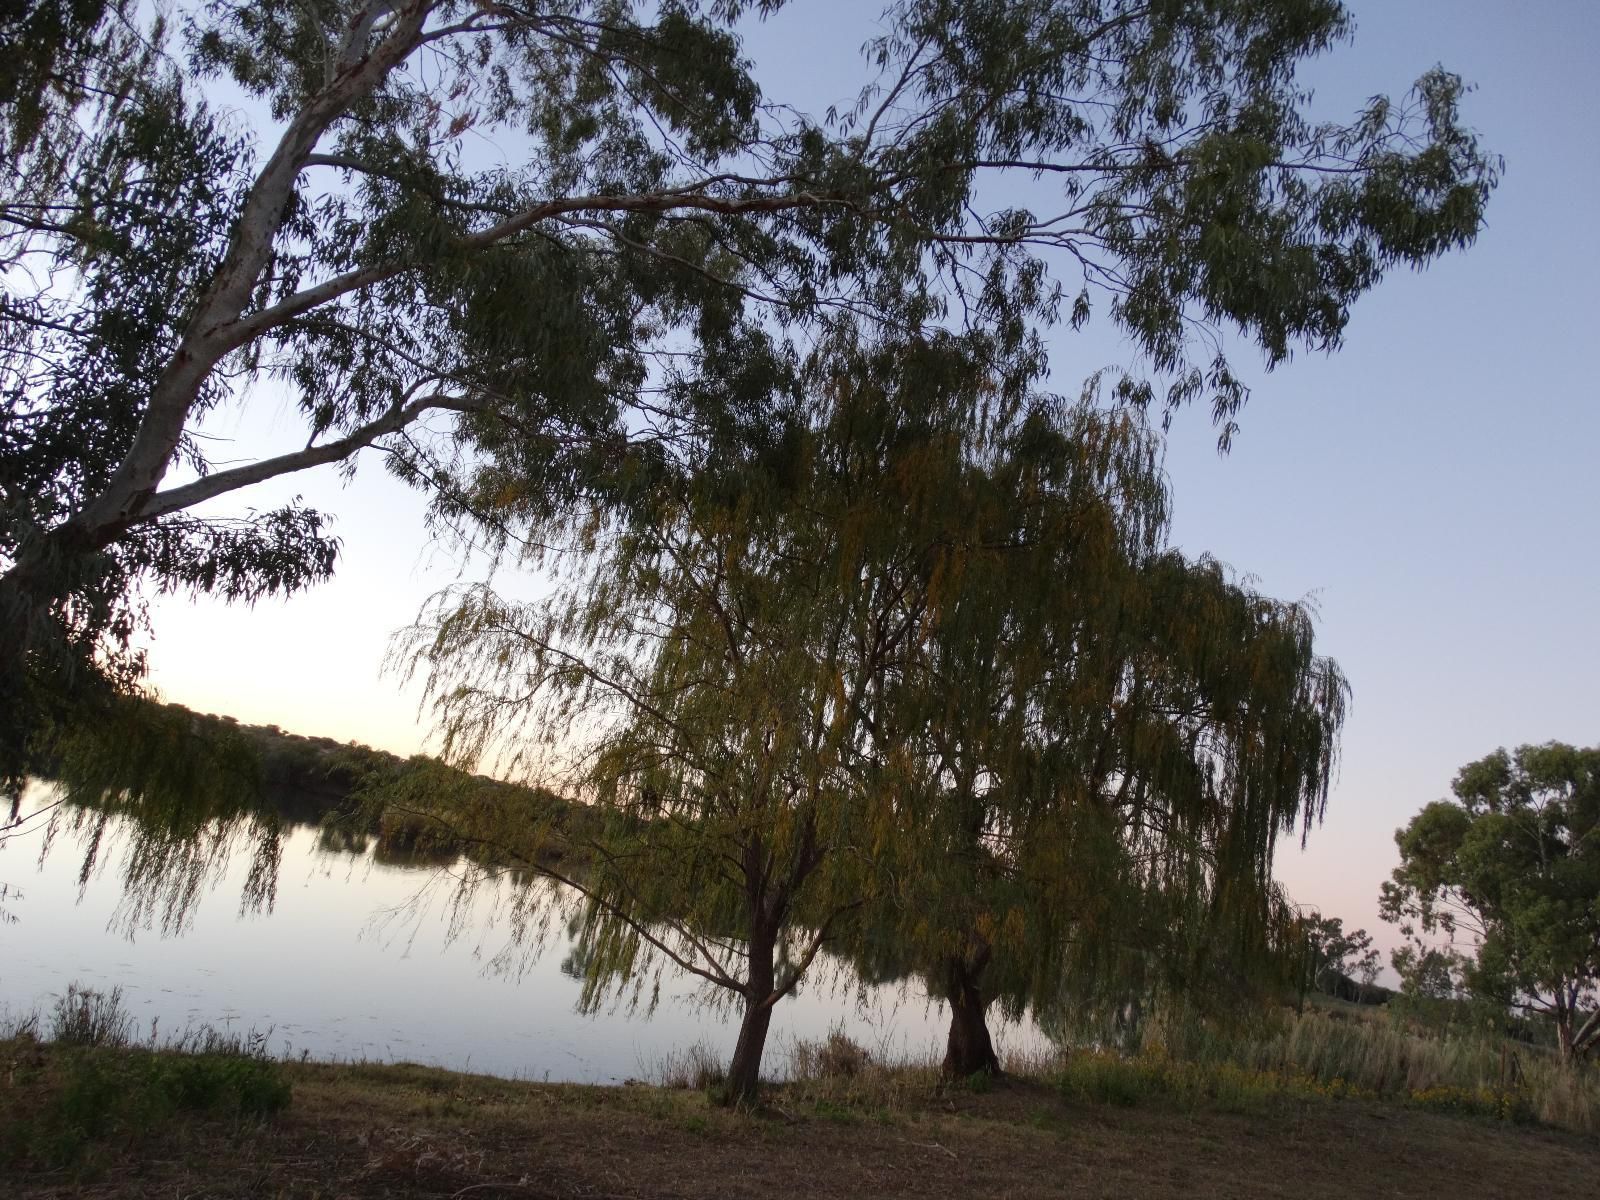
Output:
x,y
353,791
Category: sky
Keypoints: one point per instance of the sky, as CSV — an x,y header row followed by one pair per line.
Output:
x,y
1432,486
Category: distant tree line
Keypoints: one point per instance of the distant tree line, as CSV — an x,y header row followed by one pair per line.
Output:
x,y
207,775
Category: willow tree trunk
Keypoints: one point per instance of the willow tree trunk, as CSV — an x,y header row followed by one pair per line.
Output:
x,y
744,1072
968,1050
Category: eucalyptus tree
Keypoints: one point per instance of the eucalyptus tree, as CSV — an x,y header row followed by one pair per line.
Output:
x,y
1336,959
506,243
1513,864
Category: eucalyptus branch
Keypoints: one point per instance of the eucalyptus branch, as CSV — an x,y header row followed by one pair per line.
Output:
x,y
219,483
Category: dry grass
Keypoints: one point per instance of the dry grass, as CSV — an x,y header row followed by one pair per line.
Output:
x,y
843,1125
839,1080
696,1067
1362,1051
369,1131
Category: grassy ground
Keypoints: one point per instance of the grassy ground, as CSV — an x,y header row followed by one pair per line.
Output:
x,y
369,1131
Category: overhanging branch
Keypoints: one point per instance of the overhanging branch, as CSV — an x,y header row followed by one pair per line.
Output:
x,y
221,482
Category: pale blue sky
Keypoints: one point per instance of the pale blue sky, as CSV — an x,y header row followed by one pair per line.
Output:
x,y
1433,484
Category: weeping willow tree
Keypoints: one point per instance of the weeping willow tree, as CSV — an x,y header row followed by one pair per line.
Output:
x,y
1118,841
716,672
920,672
167,796
1093,752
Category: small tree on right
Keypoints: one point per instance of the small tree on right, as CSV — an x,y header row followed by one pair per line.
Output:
x,y
1513,863
1334,954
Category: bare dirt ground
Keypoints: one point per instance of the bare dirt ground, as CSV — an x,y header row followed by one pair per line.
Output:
x,y
371,1131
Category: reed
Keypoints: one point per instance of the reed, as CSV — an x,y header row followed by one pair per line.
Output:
x,y
1371,1053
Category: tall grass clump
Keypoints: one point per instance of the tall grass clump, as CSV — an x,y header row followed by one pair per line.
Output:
x,y
1107,1077
836,1077
84,1017
1337,1051
1377,1055
834,1057
693,1068
18,1025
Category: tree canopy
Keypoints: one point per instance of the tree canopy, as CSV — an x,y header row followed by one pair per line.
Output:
x,y
202,202
1339,963
716,674
1512,866
923,674
1103,744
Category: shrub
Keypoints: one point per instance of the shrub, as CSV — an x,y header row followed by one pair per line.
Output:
x,y
88,1091
219,1083
835,1057
84,1097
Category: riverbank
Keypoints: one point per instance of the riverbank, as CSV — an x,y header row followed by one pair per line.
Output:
x,y
366,1130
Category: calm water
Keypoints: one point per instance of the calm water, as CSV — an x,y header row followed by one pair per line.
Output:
x,y
334,972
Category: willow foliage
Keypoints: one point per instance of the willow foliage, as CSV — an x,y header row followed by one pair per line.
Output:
x,y
1095,750
169,800
918,673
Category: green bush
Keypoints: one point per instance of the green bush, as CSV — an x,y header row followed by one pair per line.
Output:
x,y
68,1103
217,1083
1104,1079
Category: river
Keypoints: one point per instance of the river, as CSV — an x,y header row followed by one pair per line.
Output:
x,y
347,967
